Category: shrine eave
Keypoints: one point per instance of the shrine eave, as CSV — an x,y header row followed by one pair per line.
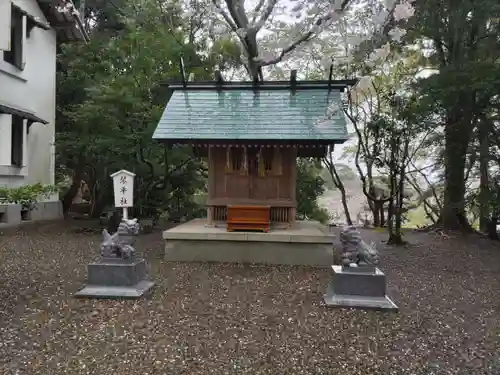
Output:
x,y
285,143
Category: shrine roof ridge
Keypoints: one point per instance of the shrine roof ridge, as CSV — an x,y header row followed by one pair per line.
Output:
x,y
265,85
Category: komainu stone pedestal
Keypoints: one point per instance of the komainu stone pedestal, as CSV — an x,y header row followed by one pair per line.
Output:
x,y
116,278
361,287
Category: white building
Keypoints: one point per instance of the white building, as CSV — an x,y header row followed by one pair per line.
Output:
x,y
29,32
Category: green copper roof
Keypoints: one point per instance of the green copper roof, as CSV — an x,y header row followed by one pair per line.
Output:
x,y
242,114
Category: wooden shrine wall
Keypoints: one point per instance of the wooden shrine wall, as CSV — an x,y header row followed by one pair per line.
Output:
x,y
275,188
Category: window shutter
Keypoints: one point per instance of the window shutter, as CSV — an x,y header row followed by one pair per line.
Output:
x,y
5,14
17,38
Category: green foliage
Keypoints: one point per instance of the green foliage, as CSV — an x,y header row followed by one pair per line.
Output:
x,y
225,53
464,54
110,100
27,195
310,186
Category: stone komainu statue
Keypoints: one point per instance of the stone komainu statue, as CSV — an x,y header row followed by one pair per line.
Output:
x,y
120,244
355,250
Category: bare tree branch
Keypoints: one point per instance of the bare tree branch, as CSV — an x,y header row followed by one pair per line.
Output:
x,y
168,21
226,16
426,179
257,9
307,36
266,14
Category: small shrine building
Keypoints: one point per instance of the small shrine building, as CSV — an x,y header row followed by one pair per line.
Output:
x,y
251,135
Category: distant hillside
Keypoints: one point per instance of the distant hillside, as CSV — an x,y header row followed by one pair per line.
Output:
x,y
356,201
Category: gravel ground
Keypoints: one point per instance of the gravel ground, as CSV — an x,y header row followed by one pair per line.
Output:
x,y
241,319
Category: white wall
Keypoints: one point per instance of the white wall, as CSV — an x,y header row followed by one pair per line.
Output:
x,y
32,90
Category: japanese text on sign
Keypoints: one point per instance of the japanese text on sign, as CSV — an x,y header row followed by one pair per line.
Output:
x,y
123,186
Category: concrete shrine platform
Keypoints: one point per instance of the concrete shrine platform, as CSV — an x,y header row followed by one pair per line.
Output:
x,y
305,243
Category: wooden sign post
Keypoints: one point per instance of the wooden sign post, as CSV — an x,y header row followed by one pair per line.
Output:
x,y
123,187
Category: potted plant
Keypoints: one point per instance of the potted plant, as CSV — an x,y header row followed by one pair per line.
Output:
x,y
26,196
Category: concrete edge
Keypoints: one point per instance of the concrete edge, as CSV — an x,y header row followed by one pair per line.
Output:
x,y
139,290
248,237
369,303
276,253
42,212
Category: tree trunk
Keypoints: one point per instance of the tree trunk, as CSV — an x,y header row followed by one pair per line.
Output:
x,y
491,229
395,239
484,190
400,200
390,218
343,195
254,71
430,212
378,214
67,200
338,184
346,207
382,215
394,236
98,205
456,142
98,209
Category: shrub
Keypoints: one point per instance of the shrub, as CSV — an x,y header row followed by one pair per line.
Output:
x,y
27,195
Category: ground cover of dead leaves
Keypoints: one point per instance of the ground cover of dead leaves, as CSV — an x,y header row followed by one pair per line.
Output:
x,y
242,319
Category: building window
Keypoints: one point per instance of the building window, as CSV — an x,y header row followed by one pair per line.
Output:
x,y
17,133
15,55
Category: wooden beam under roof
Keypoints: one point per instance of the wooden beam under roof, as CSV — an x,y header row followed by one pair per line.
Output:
x,y
293,79
330,76
219,80
183,72
268,85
